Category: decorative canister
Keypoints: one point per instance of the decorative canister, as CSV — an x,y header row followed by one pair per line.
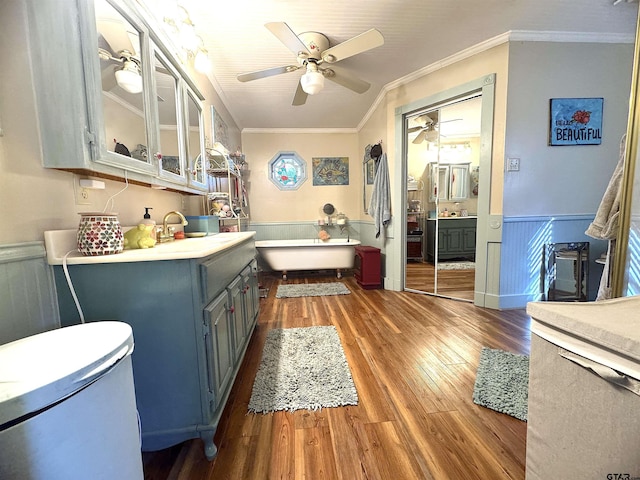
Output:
x,y
100,234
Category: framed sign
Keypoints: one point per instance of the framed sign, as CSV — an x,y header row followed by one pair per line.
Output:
x,y
575,121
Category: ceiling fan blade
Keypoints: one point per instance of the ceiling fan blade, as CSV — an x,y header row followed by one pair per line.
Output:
x,y
420,137
347,80
109,77
300,98
269,72
116,35
414,129
287,36
358,44
425,119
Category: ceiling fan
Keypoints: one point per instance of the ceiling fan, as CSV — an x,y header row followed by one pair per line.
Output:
x,y
429,130
119,60
312,51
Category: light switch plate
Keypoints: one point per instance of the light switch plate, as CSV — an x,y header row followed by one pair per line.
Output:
x,y
513,164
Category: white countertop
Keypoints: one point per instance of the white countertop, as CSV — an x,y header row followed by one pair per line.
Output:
x,y
60,242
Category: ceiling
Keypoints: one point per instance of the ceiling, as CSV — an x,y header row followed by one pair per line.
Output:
x,y
417,34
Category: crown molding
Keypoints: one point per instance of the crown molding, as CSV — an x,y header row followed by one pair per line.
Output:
x,y
510,36
301,130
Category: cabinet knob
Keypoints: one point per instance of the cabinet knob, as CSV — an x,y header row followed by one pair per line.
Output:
x,y
157,156
232,309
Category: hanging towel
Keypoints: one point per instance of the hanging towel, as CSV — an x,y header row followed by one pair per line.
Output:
x,y
605,223
380,204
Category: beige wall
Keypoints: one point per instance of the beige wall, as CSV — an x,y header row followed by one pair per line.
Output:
x,y
270,204
34,199
494,60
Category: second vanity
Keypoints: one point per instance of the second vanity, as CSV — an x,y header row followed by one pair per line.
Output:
x,y
192,304
456,238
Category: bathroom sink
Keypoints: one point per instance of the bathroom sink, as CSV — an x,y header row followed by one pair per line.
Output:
x,y
190,244
62,243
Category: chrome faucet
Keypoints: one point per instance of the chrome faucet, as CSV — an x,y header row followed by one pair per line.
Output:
x,y
165,235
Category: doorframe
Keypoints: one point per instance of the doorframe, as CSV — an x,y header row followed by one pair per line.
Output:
x,y
489,227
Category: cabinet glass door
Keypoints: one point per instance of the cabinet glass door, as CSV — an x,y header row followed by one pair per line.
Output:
x,y
121,120
168,102
459,182
195,140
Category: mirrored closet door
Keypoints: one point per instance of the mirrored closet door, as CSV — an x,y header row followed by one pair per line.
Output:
x,y
442,165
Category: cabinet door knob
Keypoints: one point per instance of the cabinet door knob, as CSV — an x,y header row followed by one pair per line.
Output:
x,y
158,155
232,309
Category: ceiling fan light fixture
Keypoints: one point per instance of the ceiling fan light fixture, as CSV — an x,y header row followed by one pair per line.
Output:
x,y
201,61
129,77
432,135
312,81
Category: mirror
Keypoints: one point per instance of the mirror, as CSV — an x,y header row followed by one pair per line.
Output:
x,y
443,149
368,175
459,182
119,50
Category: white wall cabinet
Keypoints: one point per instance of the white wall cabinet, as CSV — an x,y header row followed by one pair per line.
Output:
x,y
449,182
91,123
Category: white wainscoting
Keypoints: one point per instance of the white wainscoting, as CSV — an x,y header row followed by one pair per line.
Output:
x,y
521,257
28,302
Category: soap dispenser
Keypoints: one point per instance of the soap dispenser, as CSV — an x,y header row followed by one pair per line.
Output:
x,y
151,224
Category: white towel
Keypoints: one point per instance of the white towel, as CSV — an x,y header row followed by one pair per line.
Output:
x,y
380,203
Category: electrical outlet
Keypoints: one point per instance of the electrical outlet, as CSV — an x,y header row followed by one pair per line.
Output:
x,y
513,164
82,195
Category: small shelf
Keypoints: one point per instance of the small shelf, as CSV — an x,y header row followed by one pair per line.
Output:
x,y
222,165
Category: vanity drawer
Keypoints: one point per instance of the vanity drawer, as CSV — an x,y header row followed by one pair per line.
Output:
x,y
218,270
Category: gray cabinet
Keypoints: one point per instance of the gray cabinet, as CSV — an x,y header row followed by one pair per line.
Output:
x,y
192,320
91,120
456,238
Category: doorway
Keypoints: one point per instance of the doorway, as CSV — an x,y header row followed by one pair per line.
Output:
x,y
443,161
446,164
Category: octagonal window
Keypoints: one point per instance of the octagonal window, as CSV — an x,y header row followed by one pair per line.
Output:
x,y
287,170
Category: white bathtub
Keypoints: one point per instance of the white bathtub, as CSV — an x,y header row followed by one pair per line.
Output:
x,y
308,254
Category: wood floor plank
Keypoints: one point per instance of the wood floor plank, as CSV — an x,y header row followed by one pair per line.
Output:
x,y
413,358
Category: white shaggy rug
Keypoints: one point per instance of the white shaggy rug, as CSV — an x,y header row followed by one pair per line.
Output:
x,y
302,369
311,290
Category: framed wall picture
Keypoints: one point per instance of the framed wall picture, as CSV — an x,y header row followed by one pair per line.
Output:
x,y
575,121
330,170
219,130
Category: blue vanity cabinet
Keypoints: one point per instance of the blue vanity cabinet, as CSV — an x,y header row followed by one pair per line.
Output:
x,y
190,328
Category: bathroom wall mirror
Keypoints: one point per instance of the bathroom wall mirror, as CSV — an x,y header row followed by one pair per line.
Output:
x,y
368,175
459,182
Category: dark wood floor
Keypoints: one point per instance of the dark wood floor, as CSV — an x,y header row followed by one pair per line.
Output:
x,y
413,358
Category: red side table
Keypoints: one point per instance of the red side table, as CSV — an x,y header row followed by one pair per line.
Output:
x,y
367,267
